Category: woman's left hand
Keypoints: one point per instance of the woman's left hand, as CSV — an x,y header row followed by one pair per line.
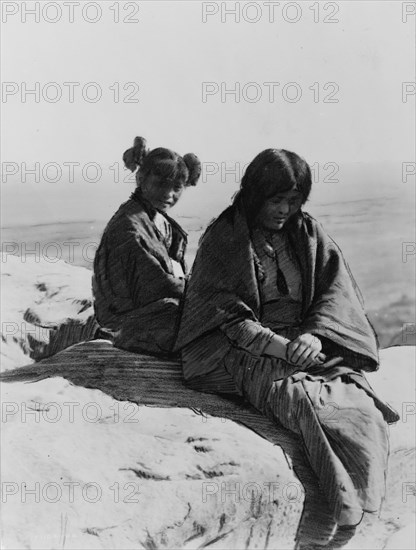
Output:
x,y
304,351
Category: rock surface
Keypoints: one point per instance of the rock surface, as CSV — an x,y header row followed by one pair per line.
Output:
x,y
45,306
141,477
83,470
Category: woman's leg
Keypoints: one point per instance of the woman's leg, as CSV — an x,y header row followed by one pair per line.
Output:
x,y
316,523
344,434
356,431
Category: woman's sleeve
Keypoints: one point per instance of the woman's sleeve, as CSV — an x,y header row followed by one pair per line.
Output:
x,y
248,334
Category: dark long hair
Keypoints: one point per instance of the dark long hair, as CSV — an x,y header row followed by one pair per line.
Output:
x,y
271,172
161,162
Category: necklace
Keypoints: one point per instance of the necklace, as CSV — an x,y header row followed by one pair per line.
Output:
x,y
270,250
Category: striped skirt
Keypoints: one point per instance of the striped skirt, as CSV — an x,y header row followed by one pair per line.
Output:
x,y
344,434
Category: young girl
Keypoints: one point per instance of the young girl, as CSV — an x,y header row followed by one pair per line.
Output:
x,y
139,267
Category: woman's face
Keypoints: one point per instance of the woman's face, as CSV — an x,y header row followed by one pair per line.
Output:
x,y
161,192
278,209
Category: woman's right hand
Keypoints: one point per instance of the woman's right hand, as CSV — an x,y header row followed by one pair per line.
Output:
x,y
283,348
304,351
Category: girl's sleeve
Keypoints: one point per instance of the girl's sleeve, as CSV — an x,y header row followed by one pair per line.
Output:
x,y
146,277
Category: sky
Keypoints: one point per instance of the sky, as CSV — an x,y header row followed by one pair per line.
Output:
x,y
323,79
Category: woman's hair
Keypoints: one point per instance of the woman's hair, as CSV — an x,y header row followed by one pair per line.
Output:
x,y
161,162
271,172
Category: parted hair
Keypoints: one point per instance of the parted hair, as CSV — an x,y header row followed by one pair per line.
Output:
x,y
271,172
162,162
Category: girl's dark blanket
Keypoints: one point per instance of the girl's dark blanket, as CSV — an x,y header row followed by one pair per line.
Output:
x,y
137,296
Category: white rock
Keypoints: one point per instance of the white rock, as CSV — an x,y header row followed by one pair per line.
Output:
x,y
37,298
164,477
164,467
404,539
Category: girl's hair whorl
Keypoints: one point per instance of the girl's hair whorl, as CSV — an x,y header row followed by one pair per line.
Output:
x,y
163,162
194,168
135,156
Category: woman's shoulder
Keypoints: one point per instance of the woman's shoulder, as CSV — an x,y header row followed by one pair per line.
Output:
x,y
312,226
309,220
316,231
220,226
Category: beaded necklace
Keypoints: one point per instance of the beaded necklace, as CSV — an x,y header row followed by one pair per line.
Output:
x,y
266,239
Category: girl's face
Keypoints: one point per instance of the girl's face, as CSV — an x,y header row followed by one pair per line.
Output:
x,y
162,193
278,209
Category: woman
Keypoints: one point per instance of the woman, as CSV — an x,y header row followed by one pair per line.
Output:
x,y
273,313
139,267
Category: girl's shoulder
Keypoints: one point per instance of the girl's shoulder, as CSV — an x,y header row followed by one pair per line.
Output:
x,y
129,217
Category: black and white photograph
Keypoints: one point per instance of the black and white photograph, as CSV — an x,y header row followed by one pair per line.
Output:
x,y
208,275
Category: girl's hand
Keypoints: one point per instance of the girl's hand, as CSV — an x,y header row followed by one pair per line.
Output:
x,y
304,351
